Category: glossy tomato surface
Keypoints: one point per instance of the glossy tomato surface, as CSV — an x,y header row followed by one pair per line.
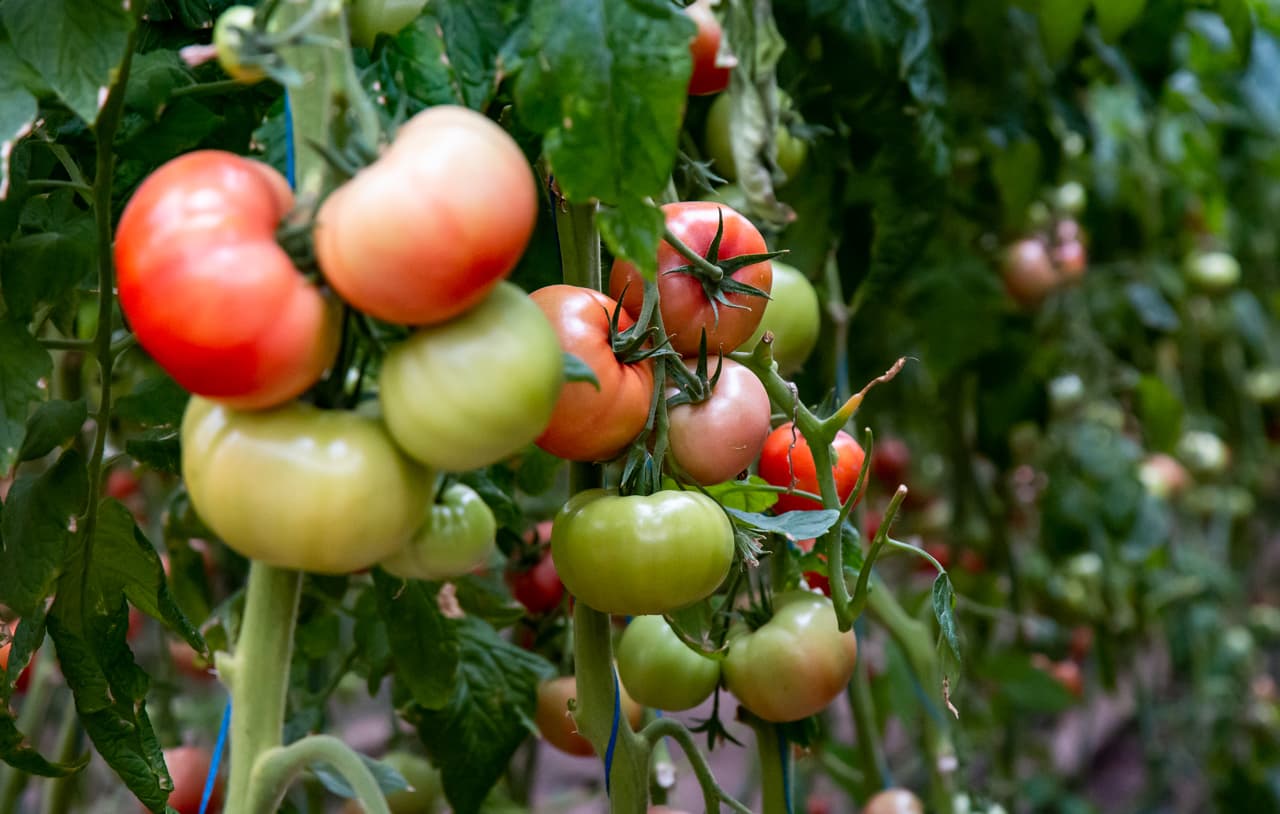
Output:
x,y
714,440
555,722
456,538
661,671
707,77
787,461
792,316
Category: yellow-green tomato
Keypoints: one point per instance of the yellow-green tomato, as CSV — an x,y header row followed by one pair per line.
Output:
x,y
298,487
228,41
641,554
793,665
369,18
793,315
661,671
457,538
469,392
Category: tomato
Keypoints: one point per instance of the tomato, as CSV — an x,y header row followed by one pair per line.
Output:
x,y
228,41
795,664
1071,198
425,792
641,554
686,311
792,150
894,801
707,77
1028,272
787,461
297,487
1213,271
24,678
1066,673
210,294
590,424
537,587
1071,260
427,231
456,539
714,440
471,391
1163,476
665,810
189,768
369,18
556,724
661,671
891,462
1117,16
1204,452
793,315
188,662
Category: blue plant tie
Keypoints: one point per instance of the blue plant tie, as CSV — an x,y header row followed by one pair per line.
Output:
x,y
784,757
613,733
216,761
290,159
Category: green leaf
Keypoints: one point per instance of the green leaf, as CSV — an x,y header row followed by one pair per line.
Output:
x,y
742,495
424,643
1024,686
27,759
153,77
944,610
606,83
45,268
797,525
389,780
481,598
36,531
1161,412
490,714
24,365
155,402
75,45
157,448
495,485
1239,19
576,370
53,424
18,106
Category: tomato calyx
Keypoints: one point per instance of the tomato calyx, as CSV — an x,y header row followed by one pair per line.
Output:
x,y
696,387
715,274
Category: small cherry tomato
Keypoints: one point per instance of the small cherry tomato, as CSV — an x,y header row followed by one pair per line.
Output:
x,y
787,461
538,588
891,462
228,39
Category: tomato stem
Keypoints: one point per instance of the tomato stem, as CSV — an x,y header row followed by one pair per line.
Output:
x,y
712,795
277,768
775,771
708,269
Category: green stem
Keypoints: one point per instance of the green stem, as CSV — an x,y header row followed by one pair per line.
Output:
x,y
222,86
775,780
277,768
67,344
257,675
712,795
711,270
870,751
58,790
579,244
55,183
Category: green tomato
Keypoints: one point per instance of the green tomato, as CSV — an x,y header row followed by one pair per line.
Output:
x,y
369,18
661,671
469,392
791,154
228,41
793,314
641,554
1117,16
795,664
425,787
298,487
457,538
1061,22
1213,271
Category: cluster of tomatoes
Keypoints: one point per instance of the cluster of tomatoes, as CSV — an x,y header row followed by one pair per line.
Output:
x,y
1038,265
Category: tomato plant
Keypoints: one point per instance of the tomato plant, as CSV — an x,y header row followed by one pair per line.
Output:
x,y
636,555
494,373
228,40
707,77
618,409
795,664
315,490
536,586
369,18
456,538
791,149
1029,274
555,722
189,768
716,439
786,461
208,291
792,316
661,671
430,228
690,301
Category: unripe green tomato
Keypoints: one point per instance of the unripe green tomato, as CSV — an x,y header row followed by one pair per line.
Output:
x,y
1116,16
425,787
1213,271
1204,452
732,196
1263,385
297,487
793,315
1070,198
792,151
469,392
457,538
228,40
661,671
369,18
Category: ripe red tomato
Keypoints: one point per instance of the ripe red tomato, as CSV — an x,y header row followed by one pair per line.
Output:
x,y
538,588
427,231
686,311
590,424
189,768
556,724
1028,271
707,77
787,461
210,294
891,462
716,439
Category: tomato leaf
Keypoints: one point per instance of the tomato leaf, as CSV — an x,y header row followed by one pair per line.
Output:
x,y
742,495
64,256
495,485
1161,412
479,597
424,643
944,609
27,759
1239,19
18,106
35,531
53,424
24,367
632,230
798,525
157,448
389,780
1152,308
472,739
576,370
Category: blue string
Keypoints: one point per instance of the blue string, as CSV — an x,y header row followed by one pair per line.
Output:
x,y
613,733
290,160
212,779
784,757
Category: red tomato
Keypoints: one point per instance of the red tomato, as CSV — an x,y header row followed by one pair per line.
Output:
x,y
891,462
24,678
686,311
707,77
538,588
189,768
1066,673
189,662
1028,271
210,294
556,724
787,461
1071,259
716,439
590,424
427,231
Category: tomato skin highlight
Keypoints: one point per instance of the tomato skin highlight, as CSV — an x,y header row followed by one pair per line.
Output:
x,y
315,490
794,665
457,538
427,231
780,462
686,311
640,555
556,724
471,391
716,439
661,671
589,424
707,77
210,294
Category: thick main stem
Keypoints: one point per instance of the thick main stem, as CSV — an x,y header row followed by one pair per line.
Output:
x,y
775,780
